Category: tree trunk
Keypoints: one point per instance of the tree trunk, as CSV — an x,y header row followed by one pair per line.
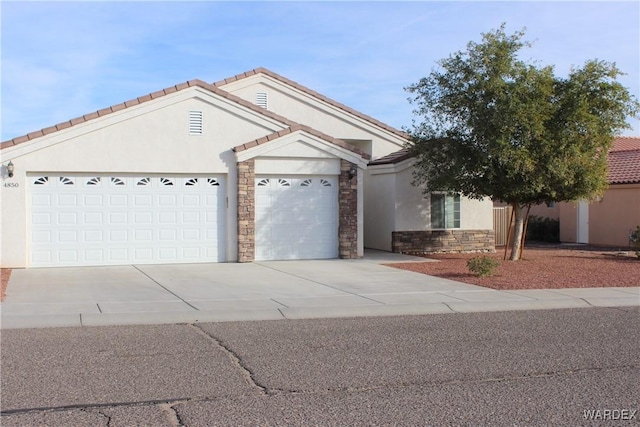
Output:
x,y
518,231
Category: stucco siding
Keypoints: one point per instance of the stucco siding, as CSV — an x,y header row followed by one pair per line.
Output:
x,y
379,212
615,217
568,214
413,211
544,211
476,214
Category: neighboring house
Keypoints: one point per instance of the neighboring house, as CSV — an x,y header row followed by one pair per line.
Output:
x,y
609,220
254,167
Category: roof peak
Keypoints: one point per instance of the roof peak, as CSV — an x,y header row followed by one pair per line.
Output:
x,y
305,89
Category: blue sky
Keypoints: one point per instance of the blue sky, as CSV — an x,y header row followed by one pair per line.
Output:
x,y
61,60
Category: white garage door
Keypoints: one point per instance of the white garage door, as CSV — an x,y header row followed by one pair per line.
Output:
x,y
296,218
115,220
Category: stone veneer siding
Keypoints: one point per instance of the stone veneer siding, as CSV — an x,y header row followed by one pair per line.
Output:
x,y
246,211
430,241
348,212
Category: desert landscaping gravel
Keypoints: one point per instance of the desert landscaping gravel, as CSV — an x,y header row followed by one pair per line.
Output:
x,y
552,267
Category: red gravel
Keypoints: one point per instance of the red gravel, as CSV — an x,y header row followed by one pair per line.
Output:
x,y
541,268
5,273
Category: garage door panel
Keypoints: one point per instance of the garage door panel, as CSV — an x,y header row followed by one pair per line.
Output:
x,y
94,256
101,220
168,234
93,236
296,218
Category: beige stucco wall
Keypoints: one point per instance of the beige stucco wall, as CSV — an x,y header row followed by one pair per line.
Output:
x,y
149,138
615,217
545,211
379,211
610,220
568,215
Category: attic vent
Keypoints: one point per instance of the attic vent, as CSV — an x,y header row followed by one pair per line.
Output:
x,y
261,99
195,122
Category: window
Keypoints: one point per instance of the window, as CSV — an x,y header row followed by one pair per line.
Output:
x,y
445,210
195,122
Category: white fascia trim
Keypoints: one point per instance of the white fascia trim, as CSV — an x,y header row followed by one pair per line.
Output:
x,y
263,150
391,168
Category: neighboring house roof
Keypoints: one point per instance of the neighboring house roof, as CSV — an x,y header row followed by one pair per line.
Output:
x,y
624,161
625,143
307,129
262,70
393,158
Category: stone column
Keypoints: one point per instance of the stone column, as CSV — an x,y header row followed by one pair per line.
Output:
x,y
348,212
246,211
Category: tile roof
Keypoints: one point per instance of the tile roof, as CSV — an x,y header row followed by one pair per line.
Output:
x,y
625,143
624,161
262,70
307,129
136,101
393,158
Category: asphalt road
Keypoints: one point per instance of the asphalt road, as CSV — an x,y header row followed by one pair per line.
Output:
x,y
505,368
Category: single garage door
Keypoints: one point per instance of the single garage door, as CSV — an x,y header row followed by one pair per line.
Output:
x,y
116,220
296,218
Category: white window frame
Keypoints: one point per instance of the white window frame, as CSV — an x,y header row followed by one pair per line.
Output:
x,y
446,214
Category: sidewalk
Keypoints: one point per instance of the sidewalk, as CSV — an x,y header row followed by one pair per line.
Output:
x,y
189,293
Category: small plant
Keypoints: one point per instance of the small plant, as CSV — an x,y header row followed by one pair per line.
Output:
x,y
482,266
634,240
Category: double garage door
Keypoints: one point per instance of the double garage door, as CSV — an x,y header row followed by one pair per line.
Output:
x,y
111,220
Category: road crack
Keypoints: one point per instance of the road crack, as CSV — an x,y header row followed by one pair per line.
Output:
x,y
247,374
108,417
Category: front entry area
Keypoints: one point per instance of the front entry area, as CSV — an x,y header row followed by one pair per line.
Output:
x,y
296,217
82,220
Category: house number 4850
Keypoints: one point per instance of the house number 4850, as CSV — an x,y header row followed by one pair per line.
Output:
x,y
11,184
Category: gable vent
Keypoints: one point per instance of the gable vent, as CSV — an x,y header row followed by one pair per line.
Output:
x,y
195,122
261,99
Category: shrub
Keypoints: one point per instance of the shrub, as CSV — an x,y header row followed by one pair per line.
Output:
x,y
482,266
634,240
543,229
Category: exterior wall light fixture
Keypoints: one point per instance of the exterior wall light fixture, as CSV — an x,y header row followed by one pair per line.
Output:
x,y
10,169
353,171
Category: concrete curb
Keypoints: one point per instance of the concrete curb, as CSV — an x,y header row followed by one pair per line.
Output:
x,y
207,316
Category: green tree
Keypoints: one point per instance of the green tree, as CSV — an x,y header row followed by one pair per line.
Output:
x,y
492,125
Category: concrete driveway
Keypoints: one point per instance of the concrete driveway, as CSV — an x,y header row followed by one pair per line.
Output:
x,y
187,293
